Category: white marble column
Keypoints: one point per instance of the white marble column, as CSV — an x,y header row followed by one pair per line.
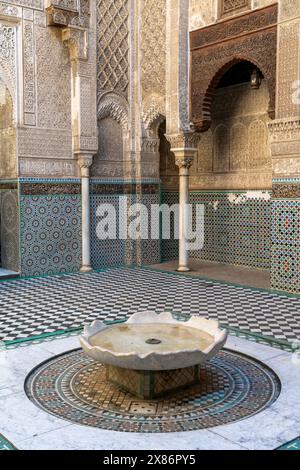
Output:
x,y
85,161
184,147
184,163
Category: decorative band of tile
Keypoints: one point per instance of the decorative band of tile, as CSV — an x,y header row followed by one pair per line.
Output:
x,y
34,189
75,388
292,445
286,191
5,444
285,180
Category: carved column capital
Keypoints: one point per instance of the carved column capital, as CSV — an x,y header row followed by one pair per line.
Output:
x,y
184,141
85,162
184,162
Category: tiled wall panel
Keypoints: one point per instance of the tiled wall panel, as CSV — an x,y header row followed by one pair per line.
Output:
x,y
237,228
50,234
285,261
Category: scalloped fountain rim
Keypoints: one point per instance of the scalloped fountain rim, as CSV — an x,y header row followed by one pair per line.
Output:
x,y
150,361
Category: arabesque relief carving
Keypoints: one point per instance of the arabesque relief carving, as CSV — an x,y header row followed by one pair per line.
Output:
x,y
216,48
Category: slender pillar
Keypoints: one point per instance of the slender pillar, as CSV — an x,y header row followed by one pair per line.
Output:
x,y
184,146
85,162
184,165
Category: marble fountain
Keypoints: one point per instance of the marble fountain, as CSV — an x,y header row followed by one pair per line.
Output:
x,y
152,355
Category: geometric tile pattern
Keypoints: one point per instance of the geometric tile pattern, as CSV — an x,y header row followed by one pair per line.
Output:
x,y
117,252
285,260
31,307
105,252
285,270
286,222
50,234
73,387
237,229
5,444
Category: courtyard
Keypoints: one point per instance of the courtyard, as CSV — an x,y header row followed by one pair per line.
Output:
x,y
149,227
41,319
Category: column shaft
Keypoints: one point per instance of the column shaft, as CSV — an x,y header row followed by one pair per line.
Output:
x,y
84,163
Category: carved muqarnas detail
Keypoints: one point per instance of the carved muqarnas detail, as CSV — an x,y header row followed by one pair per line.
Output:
x,y
215,49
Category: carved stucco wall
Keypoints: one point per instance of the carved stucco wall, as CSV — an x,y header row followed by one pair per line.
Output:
x,y
235,152
8,159
153,57
113,46
207,12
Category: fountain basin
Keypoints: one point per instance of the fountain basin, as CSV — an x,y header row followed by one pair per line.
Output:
x,y
151,355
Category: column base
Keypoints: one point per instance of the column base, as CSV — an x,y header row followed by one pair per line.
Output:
x,y
183,269
86,269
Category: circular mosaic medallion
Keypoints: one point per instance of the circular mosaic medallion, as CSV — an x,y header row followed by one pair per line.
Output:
x,y
74,387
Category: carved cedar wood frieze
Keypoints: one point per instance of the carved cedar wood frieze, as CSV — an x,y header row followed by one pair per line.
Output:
x,y
216,48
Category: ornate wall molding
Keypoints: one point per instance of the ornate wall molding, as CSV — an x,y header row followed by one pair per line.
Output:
x,y
284,129
8,62
114,106
215,49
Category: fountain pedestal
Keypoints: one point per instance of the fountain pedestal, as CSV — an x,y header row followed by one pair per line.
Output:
x,y
152,384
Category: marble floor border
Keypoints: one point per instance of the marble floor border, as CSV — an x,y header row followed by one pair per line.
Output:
x,y
30,428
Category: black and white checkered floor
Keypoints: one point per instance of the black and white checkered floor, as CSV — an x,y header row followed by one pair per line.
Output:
x,y
30,307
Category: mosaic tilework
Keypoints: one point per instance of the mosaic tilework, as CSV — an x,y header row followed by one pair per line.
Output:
x,y
293,445
9,230
50,234
5,444
232,387
285,271
105,252
286,222
170,248
119,252
237,229
31,307
144,252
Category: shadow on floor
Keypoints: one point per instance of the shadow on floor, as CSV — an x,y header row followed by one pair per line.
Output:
x,y
242,275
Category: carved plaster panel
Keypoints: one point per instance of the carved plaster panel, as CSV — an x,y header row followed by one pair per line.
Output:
x,y
36,167
29,82
232,7
288,68
153,47
34,4
10,10
49,143
53,80
113,46
212,56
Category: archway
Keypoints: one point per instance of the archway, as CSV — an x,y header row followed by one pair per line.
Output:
x,y
232,178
